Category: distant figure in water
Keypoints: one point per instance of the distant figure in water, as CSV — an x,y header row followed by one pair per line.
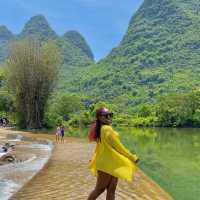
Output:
x,y
58,133
62,133
111,160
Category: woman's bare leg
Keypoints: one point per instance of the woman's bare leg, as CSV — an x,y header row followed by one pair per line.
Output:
x,y
103,180
62,139
111,188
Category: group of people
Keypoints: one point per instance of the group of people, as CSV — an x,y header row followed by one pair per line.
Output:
x,y
7,147
3,121
60,132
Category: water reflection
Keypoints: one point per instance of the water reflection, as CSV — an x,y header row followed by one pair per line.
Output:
x,y
170,156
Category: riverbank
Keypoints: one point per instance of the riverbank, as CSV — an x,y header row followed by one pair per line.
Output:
x,y
30,156
66,176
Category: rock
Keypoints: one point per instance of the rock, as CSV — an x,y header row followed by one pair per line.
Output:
x,y
7,158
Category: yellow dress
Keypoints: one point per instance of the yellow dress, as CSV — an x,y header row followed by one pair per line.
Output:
x,y
112,157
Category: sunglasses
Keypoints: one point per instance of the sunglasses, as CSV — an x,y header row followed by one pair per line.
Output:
x,y
107,115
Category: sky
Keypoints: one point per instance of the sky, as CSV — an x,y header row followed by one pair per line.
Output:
x,y
101,22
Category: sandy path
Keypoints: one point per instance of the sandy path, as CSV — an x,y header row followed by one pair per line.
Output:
x,y
66,176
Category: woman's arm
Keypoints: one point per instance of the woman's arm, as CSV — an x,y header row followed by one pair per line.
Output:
x,y
115,142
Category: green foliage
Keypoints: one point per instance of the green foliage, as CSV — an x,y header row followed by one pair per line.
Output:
x,y
51,119
2,77
75,48
77,40
158,55
5,34
145,110
147,80
5,37
67,105
196,118
145,121
6,102
179,109
38,28
32,69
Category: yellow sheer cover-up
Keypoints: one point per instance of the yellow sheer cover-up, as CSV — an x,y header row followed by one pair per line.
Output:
x,y
112,157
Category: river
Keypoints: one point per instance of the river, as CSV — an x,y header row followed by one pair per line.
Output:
x,y
31,157
169,156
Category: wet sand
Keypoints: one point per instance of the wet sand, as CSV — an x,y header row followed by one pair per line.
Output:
x,y
66,176
30,156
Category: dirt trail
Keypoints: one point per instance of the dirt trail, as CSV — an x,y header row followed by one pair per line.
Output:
x,y
66,176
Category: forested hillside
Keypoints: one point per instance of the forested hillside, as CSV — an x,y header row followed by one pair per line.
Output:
x,y
76,52
157,63
159,54
5,37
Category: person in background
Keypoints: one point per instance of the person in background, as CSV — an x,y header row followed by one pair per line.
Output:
x,y
62,133
58,133
4,122
111,160
1,121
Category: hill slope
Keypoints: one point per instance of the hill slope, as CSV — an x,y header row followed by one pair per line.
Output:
x,y
76,51
77,40
75,48
38,27
5,37
158,54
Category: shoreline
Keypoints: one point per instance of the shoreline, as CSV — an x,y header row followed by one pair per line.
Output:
x,y
68,168
31,156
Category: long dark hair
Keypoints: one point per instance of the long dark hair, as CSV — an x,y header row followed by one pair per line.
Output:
x,y
94,133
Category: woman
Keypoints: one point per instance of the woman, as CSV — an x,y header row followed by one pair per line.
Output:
x,y
58,133
111,160
62,133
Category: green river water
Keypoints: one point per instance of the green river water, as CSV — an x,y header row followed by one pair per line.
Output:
x,y
169,156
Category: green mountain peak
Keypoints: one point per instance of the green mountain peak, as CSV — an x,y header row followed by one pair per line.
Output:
x,y
78,40
5,34
38,27
158,28
159,54
75,49
6,37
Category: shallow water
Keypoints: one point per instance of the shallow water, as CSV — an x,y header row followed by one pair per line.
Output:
x,y
170,156
66,177
33,156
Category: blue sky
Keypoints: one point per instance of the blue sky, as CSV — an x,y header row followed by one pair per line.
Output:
x,y
102,22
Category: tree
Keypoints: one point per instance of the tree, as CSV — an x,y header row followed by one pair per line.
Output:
x,y
145,110
68,105
175,110
32,70
2,76
6,102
